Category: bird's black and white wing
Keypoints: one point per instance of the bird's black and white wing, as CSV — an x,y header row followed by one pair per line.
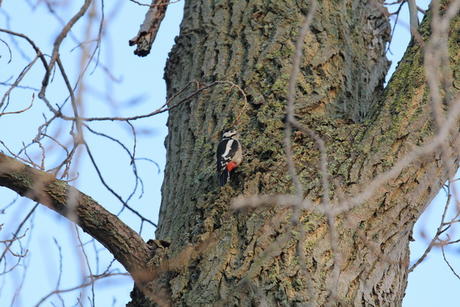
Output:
x,y
226,151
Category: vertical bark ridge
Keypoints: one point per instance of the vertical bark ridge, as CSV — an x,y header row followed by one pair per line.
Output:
x,y
250,43
257,39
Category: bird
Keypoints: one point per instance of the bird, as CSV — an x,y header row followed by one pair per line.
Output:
x,y
229,155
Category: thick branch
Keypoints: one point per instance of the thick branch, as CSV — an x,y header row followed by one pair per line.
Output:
x,y
406,117
149,29
123,242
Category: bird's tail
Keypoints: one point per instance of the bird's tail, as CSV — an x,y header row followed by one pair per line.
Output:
x,y
224,177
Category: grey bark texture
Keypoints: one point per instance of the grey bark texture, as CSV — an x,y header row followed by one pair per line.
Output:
x,y
251,257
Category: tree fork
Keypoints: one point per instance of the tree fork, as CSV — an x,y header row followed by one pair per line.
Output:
x,y
340,96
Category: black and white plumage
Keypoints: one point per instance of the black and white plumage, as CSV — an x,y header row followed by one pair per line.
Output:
x,y
228,156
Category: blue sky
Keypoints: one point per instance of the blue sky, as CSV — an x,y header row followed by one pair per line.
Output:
x,y
138,88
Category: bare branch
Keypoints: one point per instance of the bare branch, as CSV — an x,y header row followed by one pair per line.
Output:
x,y
34,46
15,235
124,243
84,285
290,100
149,29
15,84
162,109
19,111
413,19
57,45
435,238
125,204
448,263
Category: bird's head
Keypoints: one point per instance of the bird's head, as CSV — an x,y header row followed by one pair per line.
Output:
x,y
230,134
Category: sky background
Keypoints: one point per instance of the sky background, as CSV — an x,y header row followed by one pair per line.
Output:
x,y
134,86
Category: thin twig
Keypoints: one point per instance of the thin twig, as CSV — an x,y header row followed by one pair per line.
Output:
x,y
83,285
435,238
448,263
101,178
18,229
57,45
290,111
19,111
34,46
15,85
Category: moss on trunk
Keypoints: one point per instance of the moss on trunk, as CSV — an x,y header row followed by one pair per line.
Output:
x,y
340,96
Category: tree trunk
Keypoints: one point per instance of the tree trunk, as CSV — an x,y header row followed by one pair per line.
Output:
x,y
259,256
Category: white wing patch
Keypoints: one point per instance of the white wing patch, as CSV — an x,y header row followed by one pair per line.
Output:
x,y
228,147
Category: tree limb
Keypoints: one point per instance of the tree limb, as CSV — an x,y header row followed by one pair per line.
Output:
x,y
149,29
123,242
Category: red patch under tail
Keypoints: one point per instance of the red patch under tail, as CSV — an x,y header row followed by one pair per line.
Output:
x,y
231,166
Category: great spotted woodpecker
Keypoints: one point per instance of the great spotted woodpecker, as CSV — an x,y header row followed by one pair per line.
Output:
x,y
229,155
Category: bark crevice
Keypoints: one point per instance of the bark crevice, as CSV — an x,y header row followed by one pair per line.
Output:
x,y
340,96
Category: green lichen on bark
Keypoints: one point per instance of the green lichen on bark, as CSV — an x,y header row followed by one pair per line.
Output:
x,y
340,96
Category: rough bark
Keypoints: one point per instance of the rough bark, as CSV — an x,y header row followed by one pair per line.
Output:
x,y
340,96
